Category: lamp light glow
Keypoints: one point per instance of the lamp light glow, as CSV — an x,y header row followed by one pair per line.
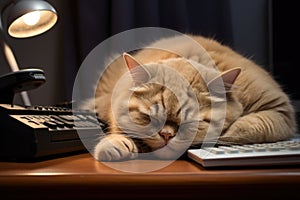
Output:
x,y
21,29
31,18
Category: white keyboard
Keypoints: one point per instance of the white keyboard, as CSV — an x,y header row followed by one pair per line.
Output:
x,y
277,153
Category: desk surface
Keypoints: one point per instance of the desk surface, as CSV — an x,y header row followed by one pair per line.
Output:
x,y
80,176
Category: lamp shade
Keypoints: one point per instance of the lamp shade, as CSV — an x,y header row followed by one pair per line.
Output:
x,y
28,18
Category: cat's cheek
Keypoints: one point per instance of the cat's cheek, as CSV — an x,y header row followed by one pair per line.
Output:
x,y
114,148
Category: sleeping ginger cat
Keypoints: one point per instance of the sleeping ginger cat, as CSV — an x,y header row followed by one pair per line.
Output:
x,y
166,98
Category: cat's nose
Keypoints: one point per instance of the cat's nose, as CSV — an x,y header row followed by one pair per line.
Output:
x,y
167,133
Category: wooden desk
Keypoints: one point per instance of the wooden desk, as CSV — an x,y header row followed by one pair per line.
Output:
x,y
82,177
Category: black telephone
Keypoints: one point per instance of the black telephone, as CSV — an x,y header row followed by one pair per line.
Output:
x,y
29,132
39,131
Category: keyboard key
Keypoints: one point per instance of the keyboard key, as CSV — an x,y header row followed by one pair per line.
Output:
x,y
294,147
273,148
243,149
215,150
259,149
229,149
50,124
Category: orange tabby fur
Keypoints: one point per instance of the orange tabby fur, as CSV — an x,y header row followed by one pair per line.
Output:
x,y
257,108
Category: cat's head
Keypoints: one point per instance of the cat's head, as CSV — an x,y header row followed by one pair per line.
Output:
x,y
175,101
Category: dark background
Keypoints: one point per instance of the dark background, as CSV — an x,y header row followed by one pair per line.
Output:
x,y
258,29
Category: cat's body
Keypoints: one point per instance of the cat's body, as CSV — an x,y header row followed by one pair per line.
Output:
x,y
256,109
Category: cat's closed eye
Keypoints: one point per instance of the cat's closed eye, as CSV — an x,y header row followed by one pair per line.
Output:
x,y
139,118
206,120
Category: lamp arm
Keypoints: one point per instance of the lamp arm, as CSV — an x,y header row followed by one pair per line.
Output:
x,y
11,60
8,53
9,56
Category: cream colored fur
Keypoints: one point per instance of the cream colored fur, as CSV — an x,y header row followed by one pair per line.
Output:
x,y
257,110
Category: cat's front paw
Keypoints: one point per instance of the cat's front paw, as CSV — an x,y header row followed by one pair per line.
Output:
x,y
115,147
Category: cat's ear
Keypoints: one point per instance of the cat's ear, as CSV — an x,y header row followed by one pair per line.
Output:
x,y
224,81
138,73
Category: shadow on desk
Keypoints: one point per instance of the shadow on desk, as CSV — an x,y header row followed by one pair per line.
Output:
x,y
82,177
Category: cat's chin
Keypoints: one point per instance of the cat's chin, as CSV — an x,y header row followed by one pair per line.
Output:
x,y
156,144
162,145
170,150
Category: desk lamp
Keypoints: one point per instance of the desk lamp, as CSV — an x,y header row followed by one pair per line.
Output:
x,y
24,18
